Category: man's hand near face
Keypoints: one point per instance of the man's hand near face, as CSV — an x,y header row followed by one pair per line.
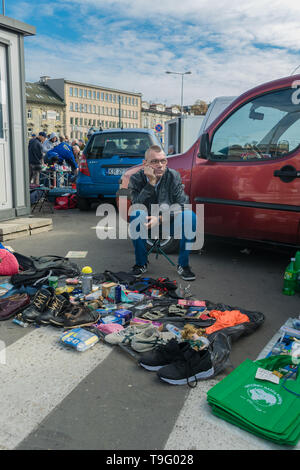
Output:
x,y
149,172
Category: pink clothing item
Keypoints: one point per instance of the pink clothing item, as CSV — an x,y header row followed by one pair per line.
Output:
x,y
8,263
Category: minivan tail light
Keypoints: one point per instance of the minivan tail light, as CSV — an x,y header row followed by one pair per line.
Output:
x,y
83,166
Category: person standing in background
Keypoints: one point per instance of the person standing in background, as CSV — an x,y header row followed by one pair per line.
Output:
x,y
36,157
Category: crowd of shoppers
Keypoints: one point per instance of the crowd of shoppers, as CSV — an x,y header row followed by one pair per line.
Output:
x,y
46,149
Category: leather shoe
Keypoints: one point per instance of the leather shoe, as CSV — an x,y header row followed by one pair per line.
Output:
x,y
80,316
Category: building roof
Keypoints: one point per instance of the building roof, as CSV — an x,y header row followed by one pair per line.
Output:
x,y
42,94
104,88
17,26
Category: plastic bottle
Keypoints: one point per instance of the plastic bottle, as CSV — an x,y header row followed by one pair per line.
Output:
x,y
86,280
173,329
297,269
118,292
289,280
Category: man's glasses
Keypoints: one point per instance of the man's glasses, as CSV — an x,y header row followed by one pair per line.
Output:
x,y
163,161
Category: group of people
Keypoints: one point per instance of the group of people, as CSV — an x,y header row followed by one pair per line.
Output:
x,y
52,149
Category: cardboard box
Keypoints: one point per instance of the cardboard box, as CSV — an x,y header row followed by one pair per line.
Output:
x,y
106,286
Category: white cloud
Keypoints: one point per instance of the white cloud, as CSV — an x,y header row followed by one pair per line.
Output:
x,y
229,46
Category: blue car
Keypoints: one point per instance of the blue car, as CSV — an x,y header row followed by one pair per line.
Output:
x,y
107,155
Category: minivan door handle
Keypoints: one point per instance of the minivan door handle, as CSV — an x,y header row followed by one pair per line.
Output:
x,y
287,173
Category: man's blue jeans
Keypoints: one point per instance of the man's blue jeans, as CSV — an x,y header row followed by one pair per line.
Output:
x,y
183,226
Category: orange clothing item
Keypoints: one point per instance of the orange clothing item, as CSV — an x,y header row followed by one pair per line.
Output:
x,y
225,319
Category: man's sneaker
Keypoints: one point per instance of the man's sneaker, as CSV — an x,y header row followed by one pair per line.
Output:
x,y
137,270
147,339
190,367
125,335
39,304
80,316
185,273
55,309
163,355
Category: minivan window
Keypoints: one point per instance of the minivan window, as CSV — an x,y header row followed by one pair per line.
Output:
x,y
267,127
127,144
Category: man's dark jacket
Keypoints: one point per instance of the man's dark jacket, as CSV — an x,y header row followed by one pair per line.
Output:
x,y
169,191
35,152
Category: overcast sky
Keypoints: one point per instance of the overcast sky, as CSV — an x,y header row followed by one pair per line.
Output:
x,y
228,45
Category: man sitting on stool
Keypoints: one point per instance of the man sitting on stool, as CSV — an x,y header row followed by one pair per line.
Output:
x,y
157,184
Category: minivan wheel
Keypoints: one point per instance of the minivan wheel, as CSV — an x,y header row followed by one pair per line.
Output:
x,y
168,245
83,204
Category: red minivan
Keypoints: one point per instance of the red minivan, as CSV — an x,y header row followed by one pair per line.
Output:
x,y
245,167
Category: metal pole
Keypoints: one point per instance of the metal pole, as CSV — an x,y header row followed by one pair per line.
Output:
x,y
119,111
3,7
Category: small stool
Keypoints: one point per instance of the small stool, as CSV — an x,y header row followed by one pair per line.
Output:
x,y
156,247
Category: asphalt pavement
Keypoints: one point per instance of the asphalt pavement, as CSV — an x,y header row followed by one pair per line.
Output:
x,y
102,399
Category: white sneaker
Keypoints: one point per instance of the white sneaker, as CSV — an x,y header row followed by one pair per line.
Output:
x,y
147,339
125,336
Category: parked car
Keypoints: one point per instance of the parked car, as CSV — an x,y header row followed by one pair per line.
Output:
x,y
245,167
107,155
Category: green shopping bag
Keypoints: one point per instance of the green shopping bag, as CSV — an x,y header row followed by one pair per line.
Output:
x,y
290,438
264,408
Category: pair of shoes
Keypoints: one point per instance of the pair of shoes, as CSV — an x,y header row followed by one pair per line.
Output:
x,y
185,273
178,363
38,305
125,335
138,270
147,340
45,307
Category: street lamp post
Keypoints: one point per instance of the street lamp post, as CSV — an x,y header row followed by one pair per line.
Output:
x,y
182,75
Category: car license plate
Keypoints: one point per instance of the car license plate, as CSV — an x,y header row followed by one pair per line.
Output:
x,y
116,171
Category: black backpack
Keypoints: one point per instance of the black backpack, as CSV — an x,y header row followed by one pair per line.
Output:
x,y
36,270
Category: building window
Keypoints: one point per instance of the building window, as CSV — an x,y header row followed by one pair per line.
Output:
x,y
102,96
76,106
84,93
71,120
58,116
80,93
76,92
94,109
44,115
89,94
94,95
71,91
29,114
98,95
85,108
71,106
